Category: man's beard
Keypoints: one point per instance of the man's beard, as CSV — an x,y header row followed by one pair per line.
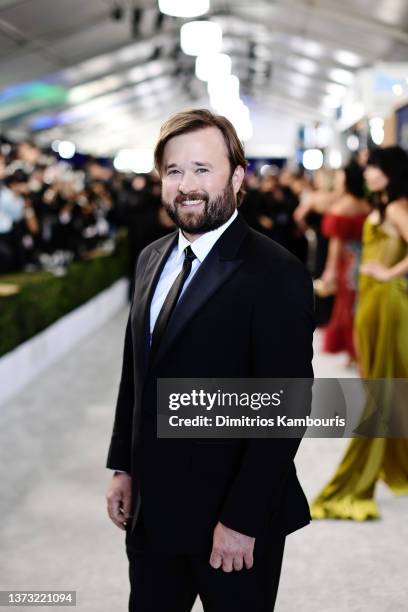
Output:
x,y
215,212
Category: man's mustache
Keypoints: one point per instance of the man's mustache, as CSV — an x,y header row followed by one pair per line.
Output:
x,y
190,196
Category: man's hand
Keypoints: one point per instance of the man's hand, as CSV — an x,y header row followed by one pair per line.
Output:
x,y
119,496
231,549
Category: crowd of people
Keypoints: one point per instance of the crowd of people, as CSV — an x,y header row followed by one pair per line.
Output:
x,y
350,227
53,212
368,233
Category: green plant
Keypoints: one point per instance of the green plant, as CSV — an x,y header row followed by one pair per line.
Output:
x,y
44,298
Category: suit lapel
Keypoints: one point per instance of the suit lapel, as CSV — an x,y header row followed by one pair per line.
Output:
x,y
145,290
221,262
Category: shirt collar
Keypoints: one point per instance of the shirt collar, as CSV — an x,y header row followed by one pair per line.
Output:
x,y
203,245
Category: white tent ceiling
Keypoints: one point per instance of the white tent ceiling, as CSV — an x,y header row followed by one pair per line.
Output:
x,y
69,69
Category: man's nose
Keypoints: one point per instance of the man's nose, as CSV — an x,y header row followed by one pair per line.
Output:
x,y
188,183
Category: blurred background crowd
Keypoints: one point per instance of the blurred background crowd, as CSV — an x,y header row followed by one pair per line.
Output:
x,y
52,212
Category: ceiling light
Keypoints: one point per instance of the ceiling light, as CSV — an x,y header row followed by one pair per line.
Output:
x,y
229,86
335,159
184,8
347,58
345,77
397,89
353,142
66,149
139,161
377,135
312,159
307,47
212,65
304,65
264,171
197,37
377,130
376,122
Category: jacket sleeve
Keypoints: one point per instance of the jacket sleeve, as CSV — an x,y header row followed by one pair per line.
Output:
x,y
120,446
282,335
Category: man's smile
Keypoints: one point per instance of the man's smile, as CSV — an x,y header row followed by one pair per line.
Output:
x,y
192,203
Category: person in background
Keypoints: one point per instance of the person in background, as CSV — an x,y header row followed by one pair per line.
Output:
x,y
314,201
342,225
11,213
381,333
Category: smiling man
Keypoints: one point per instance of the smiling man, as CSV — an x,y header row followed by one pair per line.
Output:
x,y
213,300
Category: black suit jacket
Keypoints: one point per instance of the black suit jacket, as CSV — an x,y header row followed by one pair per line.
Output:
x,y
247,312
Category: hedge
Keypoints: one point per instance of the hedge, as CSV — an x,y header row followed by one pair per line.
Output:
x,y
44,298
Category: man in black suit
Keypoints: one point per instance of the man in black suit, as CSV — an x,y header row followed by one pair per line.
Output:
x,y
213,300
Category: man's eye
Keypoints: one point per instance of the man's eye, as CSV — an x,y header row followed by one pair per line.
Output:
x,y
201,170
172,172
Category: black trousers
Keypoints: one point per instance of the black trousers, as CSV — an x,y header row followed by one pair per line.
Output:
x,y
162,582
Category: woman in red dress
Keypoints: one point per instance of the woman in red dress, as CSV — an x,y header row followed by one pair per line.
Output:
x,y
343,226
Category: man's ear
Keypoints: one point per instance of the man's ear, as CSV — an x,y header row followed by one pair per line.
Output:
x,y
237,178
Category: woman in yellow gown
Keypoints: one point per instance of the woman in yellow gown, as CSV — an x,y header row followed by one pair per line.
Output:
x,y
381,335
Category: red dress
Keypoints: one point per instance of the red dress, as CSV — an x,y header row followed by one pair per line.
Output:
x,y
339,331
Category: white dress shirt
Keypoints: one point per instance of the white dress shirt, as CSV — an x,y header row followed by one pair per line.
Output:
x,y
201,247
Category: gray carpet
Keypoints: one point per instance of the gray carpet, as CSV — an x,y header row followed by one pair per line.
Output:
x,y
54,533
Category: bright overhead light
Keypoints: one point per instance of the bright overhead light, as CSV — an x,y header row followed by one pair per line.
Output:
x,y
66,149
377,130
312,159
397,89
347,58
264,171
303,64
238,113
227,87
82,93
239,116
245,131
377,135
307,47
376,122
197,37
139,161
184,8
224,94
212,65
353,142
345,77
335,159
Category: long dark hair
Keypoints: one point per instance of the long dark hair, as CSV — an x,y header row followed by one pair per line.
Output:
x,y
354,179
393,162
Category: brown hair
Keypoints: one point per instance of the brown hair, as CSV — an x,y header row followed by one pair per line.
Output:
x,y
198,119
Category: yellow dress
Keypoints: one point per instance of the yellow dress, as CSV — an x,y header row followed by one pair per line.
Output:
x,y
381,332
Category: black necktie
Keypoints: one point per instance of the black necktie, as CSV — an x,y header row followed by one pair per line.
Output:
x,y
171,300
